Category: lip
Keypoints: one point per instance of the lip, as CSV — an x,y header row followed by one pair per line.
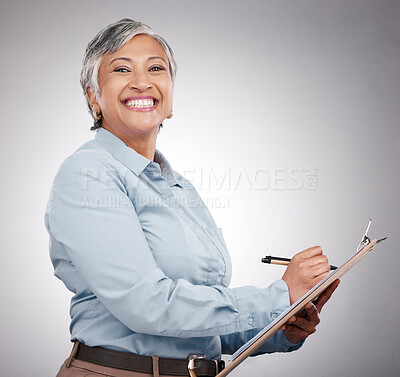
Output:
x,y
151,108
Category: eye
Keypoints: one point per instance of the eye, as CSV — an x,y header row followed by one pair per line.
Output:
x,y
121,69
157,68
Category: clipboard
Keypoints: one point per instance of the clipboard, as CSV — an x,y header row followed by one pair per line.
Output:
x,y
364,248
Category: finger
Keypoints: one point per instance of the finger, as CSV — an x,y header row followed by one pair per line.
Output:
x,y
308,305
295,334
312,313
292,319
319,277
310,252
302,313
305,325
310,322
319,259
320,269
326,295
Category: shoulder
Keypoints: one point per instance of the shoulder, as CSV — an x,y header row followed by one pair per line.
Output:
x,y
92,153
90,162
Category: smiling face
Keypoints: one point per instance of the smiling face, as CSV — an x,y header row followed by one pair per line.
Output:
x,y
135,90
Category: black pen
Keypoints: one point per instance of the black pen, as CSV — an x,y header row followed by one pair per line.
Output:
x,y
282,261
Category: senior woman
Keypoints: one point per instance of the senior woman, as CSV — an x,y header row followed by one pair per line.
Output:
x,y
133,241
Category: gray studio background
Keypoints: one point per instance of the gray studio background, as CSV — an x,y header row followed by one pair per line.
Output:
x,y
295,103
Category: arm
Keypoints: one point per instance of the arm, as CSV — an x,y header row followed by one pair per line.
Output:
x,y
106,245
277,343
307,269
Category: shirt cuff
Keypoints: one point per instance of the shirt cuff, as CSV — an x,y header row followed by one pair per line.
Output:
x,y
287,345
258,307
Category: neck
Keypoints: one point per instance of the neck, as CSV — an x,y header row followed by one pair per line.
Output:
x,y
144,148
142,143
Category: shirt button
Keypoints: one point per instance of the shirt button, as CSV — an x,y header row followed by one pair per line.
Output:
x,y
273,315
250,320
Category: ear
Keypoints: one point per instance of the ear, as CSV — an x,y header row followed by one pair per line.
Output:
x,y
92,98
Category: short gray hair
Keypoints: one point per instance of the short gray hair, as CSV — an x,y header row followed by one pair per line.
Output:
x,y
108,41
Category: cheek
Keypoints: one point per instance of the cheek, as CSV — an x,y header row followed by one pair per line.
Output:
x,y
169,94
108,96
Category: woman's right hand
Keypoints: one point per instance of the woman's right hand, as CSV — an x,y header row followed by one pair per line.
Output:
x,y
305,270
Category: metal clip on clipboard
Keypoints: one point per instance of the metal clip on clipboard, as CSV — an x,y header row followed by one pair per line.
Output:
x,y
365,239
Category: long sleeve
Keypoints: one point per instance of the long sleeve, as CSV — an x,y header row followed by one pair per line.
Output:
x,y
277,343
142,269
107,246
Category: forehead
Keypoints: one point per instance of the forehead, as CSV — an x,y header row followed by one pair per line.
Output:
x,y
140,46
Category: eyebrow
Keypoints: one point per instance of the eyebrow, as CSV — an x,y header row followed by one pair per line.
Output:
x,y
129,60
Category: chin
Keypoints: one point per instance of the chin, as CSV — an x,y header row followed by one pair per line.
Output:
x,y
143,128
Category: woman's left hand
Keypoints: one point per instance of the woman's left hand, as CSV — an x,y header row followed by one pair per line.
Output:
x,y
301,326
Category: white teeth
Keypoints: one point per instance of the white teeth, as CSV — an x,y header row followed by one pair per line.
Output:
x,y
140,103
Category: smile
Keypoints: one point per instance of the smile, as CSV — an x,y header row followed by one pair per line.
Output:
x,y
141,104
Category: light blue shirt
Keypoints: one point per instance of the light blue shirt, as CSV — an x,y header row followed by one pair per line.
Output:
x,y
148,266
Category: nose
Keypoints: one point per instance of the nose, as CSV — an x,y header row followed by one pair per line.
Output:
x,y
140,81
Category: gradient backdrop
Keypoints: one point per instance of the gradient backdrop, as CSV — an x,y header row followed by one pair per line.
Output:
x,y
287,119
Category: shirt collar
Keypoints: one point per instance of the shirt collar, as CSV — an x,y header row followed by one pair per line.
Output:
x,y
166,170
120,151
133,160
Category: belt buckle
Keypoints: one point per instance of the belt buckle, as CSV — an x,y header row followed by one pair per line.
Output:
x,y
216,366
191,366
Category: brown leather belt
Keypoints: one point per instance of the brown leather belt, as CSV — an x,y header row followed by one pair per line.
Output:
x,y
144,364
